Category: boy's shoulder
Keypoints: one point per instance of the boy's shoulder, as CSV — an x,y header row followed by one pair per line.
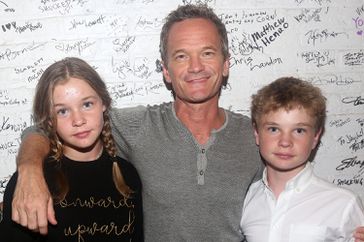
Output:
x,y
256,188
329,187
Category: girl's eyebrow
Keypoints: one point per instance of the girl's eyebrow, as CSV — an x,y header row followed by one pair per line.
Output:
x,y
84,98
88,97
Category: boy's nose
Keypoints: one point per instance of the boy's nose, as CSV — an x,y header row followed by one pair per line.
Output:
x,y
285,140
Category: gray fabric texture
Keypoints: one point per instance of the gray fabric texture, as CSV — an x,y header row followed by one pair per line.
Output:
x,y
190,192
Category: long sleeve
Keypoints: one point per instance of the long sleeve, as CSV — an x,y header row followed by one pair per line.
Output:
x,y
353,217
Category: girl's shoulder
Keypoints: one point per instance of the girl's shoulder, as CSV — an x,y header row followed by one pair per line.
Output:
x,y
130,173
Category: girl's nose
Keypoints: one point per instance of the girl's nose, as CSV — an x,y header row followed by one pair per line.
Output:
x,y
78,119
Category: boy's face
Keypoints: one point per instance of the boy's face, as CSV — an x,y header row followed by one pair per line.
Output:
x,y
286,139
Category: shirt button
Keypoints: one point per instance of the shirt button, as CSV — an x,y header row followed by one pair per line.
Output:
x,y
203,151
276,226
201,173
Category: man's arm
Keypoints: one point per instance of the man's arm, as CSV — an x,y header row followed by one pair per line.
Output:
x,y
32,204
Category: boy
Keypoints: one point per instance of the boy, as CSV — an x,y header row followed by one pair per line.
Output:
x,y
290,203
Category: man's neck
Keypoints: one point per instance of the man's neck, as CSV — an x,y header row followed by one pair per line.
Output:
x,y
200,119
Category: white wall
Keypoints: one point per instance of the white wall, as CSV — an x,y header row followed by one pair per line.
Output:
x,y
318,40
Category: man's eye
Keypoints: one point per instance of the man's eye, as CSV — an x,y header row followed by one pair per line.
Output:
x,y
180,57
208,53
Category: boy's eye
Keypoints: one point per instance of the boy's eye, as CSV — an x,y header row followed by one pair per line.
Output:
x,y
272,129
300,130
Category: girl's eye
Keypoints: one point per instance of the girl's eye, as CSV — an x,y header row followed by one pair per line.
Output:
x,y
62,112
88,104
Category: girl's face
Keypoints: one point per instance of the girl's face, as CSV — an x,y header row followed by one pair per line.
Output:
x,y
79,113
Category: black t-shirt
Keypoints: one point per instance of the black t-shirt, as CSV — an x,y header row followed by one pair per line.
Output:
x,y
93,209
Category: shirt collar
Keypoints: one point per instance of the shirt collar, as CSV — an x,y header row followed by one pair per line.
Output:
x,y
299,182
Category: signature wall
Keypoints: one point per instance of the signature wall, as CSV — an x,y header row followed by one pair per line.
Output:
x,y
321,41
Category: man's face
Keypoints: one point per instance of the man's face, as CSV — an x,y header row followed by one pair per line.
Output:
x,y
196,66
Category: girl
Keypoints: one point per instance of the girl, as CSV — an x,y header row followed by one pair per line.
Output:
x,y
97,195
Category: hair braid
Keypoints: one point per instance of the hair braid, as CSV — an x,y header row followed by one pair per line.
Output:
x,y
109,145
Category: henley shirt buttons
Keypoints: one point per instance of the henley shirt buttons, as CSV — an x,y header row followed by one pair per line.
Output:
x,y
201,172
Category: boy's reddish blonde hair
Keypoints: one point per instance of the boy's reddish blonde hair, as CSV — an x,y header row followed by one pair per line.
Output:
x,y
289,93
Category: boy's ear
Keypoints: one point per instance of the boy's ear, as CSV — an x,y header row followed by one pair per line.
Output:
x,y
317,138
256,134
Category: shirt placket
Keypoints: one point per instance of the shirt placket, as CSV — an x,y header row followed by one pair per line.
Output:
x,y
279,209
201,166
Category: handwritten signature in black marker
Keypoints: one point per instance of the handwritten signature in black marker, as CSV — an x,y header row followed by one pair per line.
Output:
x,y
355,100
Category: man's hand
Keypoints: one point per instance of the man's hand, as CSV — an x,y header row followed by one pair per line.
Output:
x,y
32,205
359,234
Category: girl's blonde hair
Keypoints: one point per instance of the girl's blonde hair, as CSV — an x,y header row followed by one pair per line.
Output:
x,y
45,118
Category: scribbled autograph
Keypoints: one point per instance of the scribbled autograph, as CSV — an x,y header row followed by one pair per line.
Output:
x,y
355,100
350,162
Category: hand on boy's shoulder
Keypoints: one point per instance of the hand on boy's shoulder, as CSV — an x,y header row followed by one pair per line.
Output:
x,y
359,234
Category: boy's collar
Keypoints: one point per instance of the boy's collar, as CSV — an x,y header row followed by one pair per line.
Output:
x,y
299,182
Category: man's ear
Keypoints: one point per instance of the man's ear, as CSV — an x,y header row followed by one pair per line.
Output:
x,y
166,75
226,67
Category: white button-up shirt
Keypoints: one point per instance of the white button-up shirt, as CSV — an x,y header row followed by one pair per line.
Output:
x,y
309,209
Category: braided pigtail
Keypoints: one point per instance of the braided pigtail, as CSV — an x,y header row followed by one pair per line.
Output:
x,y
61,186
110,147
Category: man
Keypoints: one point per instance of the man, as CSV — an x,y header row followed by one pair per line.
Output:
x,y
196,160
